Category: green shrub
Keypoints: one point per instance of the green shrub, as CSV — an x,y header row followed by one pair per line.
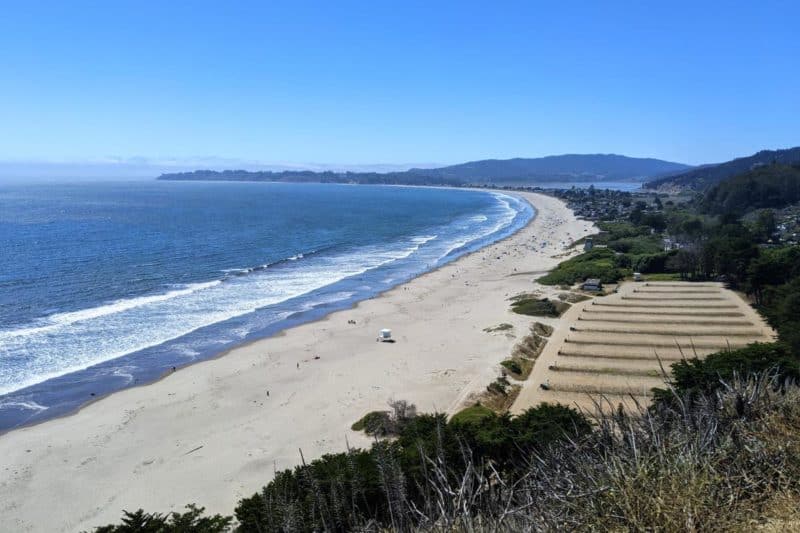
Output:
x,y
498,386
600,263
472,415
650,244
373,423
619,230
650,263
538,307
191,521
693,377
512,366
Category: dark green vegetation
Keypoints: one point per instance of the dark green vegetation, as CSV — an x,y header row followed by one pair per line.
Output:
x,y
623,246
472,415
525,305
386,423
341,492
499,386
771,186
702,378
599,263
593,167
722,461
702,177
512,365
373,423
190,521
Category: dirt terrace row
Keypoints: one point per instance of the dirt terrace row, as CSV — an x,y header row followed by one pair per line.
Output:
x,y
615,349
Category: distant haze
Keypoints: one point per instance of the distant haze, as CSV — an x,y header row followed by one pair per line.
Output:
x,y
147,168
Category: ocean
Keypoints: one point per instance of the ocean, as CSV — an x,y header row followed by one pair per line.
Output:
x,y
108,285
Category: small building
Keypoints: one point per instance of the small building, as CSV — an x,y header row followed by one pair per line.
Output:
x,y
671,244
592,284
588,245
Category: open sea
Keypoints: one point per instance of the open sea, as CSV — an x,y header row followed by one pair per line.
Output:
x,y
109,285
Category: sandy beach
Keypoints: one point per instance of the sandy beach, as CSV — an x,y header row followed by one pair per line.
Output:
x,y
215,432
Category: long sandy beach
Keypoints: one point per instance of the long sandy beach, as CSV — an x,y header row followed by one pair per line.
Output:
x,y
216,431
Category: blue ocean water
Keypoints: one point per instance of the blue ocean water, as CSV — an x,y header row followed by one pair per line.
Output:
x,y
108,285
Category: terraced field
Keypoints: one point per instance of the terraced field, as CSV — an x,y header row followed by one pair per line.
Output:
x,y
614,349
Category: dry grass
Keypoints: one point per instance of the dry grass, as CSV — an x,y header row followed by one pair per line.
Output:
x,y
529,347
543,330
500,327
725,463
500,403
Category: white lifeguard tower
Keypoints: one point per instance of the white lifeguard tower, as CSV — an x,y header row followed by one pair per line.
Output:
x,y
385,335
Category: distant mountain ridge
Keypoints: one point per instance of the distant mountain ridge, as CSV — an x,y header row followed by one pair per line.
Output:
x,y
558,167
701,178
568,167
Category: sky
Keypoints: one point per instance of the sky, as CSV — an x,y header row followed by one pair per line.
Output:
x,y
394,83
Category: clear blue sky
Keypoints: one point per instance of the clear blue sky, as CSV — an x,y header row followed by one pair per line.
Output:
x,y
397,82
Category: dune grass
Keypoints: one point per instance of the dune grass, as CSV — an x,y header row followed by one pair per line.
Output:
x,y
538,307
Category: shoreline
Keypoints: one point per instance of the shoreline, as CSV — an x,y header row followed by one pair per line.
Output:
x,y
130,449
274,330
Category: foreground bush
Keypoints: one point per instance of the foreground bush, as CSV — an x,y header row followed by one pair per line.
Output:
x,y
346,491
191,521
727,460
697,378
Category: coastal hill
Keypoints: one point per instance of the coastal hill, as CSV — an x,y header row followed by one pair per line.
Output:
x,y
766,187
519,171
702,177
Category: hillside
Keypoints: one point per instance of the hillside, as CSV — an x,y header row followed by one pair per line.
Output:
x,y
702,177
772,186
588,167
567,167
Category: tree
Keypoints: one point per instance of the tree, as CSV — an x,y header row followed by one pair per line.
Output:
x,y
765,224
694,377
693,227
192,521
685,262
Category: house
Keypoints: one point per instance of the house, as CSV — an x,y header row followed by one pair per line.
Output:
x,y
671,244
592,284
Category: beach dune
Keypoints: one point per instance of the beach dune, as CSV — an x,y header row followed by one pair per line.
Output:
x,y
216,431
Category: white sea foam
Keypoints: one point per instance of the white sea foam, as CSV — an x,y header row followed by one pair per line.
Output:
x,y
58,320
505,217
28,405
72,341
